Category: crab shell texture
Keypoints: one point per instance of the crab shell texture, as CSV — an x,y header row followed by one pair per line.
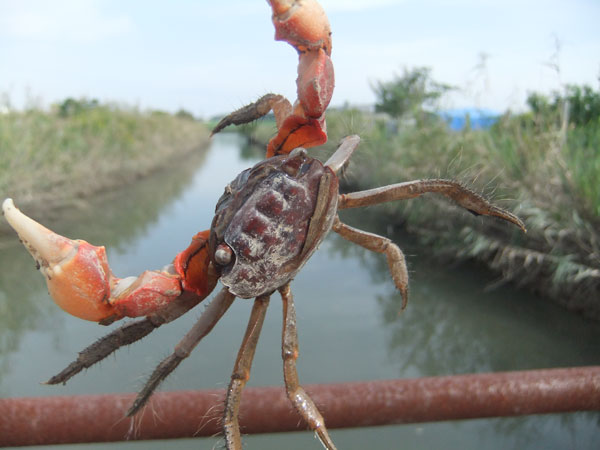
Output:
x,y
273,216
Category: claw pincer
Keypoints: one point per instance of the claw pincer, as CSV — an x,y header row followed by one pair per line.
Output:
x,y
304,25
80,281
76,272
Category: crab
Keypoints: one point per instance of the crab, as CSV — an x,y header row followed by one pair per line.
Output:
x,y
269,221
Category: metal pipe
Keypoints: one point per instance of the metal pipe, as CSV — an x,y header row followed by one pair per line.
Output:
x,y
100,418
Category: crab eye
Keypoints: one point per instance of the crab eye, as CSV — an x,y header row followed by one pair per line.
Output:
x,y
223,254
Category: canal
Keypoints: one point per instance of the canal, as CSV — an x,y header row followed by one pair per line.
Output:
x,y
349,324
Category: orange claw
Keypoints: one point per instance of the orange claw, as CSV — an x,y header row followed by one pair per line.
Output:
x,y
77,273
194,268
297,131
141,296
304,25
81,282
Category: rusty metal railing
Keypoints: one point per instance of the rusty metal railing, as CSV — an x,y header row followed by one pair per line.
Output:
x,y
100,418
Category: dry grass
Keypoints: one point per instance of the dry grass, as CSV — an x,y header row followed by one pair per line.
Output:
x,y
48,159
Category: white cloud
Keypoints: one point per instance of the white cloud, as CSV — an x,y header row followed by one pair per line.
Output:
x,y
70,20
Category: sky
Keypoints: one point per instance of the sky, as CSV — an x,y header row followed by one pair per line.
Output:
x,y
211,57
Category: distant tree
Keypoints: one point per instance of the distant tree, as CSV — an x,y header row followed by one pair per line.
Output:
x,y
412,93
583,104
184,114
539,103
70,106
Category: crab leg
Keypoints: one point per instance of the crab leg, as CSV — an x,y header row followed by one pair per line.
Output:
x,y
125,335
289,352
375,243
280,106
466,198
241,373
209,318
304,25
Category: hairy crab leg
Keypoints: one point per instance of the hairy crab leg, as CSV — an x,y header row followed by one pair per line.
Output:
x,y
462,195
395,258
465,197
289,352
125,335
379,244
241,373
280,106
208,319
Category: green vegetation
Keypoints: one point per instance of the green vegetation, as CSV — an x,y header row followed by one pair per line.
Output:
x,y
81,147
543,165
413,94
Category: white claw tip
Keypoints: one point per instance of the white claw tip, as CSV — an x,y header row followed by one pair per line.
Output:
x,y
7,205
11,212
43,244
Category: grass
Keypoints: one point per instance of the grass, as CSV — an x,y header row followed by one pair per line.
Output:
x,y
55,157
533,165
